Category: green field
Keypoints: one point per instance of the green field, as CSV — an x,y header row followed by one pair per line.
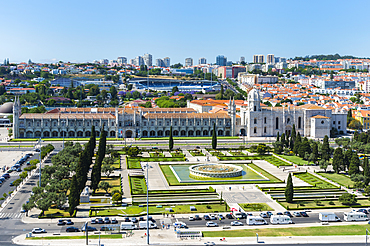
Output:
x,y
295,159
178,209
268,175
341,179
249,207
117,163
133,163
314,181
294,231
137,185
113,181
55,213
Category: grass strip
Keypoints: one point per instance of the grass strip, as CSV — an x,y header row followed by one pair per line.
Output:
x,y
294,231
341,179
314,181
111,236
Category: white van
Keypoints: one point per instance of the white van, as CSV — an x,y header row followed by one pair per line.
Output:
x,y
256,220
238,215
128,226
328,216
355,216
280,219
142,225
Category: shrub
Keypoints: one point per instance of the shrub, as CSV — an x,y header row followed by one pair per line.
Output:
x,y
208,207
331,203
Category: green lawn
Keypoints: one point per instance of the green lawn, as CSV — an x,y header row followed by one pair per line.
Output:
x,y
216,153
113,181
315,181
339,178
177,154
294,231
178,209
295,159
248,207
310,204
133,163
172,180
137,185
275,161
117,164
156,154
196,153
237,153
55,213
234,158
158,159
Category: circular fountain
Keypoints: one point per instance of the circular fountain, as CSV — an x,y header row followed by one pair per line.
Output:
x,y
215,171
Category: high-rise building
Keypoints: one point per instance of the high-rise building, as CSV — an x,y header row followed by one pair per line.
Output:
x,y
159,63
104,61
270,59
167,62
258,59
188,62
261,58
132,61
139,61
202,60
242,59
122,60
221,60
148,60
229,63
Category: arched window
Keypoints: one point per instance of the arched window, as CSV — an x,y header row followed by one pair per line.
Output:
x,y
255,130
265,120
255,121
299,122
264,130
277,123
255,108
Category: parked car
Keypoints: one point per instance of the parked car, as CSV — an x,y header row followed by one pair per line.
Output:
x,y
6,175
229,216
11,184
2,179
220,216
249,214
134,220
304,214
279,213
180,224
93,221
362,210
69,222
61,222
114,221
206,217
100,221
297,214
244,215
191,218
18,169
106,220
197,217
127,219
72,229
212,217
141,219
106,228
89,228
288,213
28,163
269,213
211,224
38,230
236,223
264,215
150,218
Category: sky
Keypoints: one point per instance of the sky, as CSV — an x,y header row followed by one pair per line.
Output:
x,y
81,31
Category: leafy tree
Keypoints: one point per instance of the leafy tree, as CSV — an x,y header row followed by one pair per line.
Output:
x,y
74,196
347,158
214,137
323,164
104,186
133,151
365,167
261,149
325,150
304,148
23,175
117,197
289,190
338,160
278,147
278,137
315,152
348,199
354,165
170,142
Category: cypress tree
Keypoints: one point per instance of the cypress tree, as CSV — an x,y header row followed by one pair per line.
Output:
x,y
325,150
283,139
354,165
315,152
297,143
74,196
96,172
278,137
214,137
347,159
222,92
170,142
365,166
93,138
294,134
289,189
291,144
338,160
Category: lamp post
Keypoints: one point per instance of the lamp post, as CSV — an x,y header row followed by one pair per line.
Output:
x,y
147,203
87,234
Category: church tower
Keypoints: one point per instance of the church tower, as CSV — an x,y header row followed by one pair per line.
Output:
x,y
16,114
254,101
232,113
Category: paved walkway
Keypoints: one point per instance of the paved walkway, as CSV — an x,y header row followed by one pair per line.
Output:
x,y
124,178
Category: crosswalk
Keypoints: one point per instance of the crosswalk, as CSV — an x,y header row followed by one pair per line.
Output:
x,y
14,174
4,216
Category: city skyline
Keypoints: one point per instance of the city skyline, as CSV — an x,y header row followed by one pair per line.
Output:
x,y
288,29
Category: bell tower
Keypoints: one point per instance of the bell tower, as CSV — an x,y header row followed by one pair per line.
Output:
x,y
232,113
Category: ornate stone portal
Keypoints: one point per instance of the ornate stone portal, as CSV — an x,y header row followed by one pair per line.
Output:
x,y
215,171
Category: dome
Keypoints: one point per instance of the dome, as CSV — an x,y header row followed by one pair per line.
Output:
x,y
254,95
6,108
